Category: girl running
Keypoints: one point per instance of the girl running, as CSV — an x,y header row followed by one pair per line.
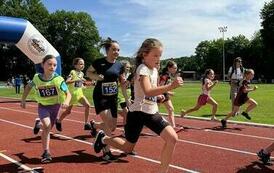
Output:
x,y
235,75
108,72
208,83
242,98
167,76
144,110
50,89
75,83
121,99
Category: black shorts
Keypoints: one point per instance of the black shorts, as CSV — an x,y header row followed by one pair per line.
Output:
x,y
136,121
239,101
123,105
102,103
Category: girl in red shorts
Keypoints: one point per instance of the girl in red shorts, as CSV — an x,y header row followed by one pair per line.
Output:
x,y
208,83
242,98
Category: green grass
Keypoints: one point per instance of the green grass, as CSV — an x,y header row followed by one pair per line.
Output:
x,y
186,97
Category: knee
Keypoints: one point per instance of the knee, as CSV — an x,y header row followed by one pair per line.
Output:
x,y
46,127
87,106
68,111
215,105
173,139
170,109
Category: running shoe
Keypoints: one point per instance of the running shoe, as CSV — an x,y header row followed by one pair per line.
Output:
x,y
87,126
108,156
37,126
246,115
93,131
58,125
265,158
98,144
46,157
223,121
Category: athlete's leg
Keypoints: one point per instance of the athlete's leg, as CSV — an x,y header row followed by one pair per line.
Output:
x,y
214,105
170,137
170,109
195,108
251,105
65,114
86,104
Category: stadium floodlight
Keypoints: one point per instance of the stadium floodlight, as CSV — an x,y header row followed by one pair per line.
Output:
x,y
223,29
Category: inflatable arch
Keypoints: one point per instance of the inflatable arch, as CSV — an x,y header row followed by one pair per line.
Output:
x,y
28,39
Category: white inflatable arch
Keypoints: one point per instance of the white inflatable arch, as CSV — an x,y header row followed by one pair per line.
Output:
x,y
28,39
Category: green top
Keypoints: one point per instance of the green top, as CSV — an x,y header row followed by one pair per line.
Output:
x,y
49,92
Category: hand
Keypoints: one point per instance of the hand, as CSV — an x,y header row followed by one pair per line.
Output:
x,y
255,87
23,104
128,102
65,105
160,98
100,77
122,78
177,82
215,81
171,93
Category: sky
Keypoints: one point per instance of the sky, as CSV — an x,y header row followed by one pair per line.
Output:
x,y
179,24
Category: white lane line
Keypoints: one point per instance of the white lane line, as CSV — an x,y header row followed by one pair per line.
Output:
x,y
20,165
239,134
191,127
218,147
196,128
85,142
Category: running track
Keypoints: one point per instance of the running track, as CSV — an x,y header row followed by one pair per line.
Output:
x,y
202,146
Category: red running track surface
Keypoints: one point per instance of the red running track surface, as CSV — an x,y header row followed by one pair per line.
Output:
x,y
202,147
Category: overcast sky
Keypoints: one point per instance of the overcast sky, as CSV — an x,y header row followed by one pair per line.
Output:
x,y
179,24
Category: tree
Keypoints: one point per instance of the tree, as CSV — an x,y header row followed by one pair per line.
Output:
x,y
267,33
237,46
256,57
13,60
74,35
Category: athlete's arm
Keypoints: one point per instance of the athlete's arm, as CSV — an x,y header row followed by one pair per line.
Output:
x,y
91,73
25,94
149,91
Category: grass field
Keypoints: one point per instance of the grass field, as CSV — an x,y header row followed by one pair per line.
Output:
x,y
186,97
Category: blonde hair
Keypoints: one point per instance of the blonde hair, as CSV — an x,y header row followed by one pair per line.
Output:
x,y
248,71
146,47
75,61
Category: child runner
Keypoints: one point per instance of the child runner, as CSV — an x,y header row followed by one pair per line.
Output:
x,y
208,83
264,154
107,71
167,76
50,89
144,110
235,75
75,83
121,99
242,98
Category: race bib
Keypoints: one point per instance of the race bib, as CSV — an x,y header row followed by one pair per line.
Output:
x,y
109,88
150,100
78,84
47,91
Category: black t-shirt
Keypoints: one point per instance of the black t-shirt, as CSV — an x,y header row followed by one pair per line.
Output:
x,y
111,72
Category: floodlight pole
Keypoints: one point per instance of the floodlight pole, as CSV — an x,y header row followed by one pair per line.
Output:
x,y
223,29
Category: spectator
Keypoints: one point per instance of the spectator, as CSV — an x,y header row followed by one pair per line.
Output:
x,y
18,82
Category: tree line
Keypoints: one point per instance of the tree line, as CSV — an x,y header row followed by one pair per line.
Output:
x,y
74,34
